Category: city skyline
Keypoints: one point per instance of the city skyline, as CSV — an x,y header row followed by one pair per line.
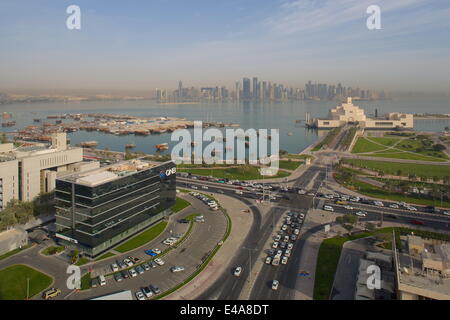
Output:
x,y
154,44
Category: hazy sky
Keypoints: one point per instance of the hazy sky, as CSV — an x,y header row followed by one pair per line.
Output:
x,y
143,44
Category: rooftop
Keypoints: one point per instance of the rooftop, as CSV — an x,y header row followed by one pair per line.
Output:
x,y
98,176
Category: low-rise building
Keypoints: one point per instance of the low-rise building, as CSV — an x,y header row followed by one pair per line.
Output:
x,y
12,239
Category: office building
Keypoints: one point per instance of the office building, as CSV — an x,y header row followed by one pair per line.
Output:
x,y
246,93
98,209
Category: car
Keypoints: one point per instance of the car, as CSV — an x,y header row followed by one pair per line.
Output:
x,y
220,191
276,261
51,293
182,221
277,238
177,269
147,292
122,265
134,259
275,244
102,280
275,284
194,187
140,295
392,216
153,264
329,196
271,252
140,270
348,207
237,272
361,213
287,253
284,227
296,231
378,203
341,202
159,261
118,276
302,215
205,187
394,206
290,246
268,260
328,208
94,283
279,253
125,274
293,237
417,222
150,253
410,208
146,266
114,267
156,250
133,273
155,289
168,242
286,239
283,245
447,213
128,262
284,260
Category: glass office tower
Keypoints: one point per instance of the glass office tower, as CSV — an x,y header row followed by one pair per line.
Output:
x,y
98,209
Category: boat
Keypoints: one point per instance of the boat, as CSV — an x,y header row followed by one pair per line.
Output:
x,y
290,134
162,146
88,143
37,120
130,146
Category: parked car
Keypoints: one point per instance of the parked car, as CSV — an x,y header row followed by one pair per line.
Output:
x,y
237,272
114,267
118,276
277,238
284,260
156,250
275,245
146,266
128,262
268,260
147,292
155,289
159,261
125,274
393,206
177,269
133,273
94,283
140,270
140,295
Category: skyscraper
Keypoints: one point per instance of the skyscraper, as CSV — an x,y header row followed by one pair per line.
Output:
x,y
238,90
180,89
255,88
246,88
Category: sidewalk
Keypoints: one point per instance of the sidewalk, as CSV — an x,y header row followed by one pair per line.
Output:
x,y
241,223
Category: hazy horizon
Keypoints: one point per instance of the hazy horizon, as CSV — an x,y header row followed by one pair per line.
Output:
x,y
142,45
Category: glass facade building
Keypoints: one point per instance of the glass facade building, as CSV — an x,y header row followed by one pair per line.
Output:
x,y
93,217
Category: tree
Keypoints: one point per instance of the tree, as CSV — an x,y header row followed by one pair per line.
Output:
x,y
370,226
438,147
348,227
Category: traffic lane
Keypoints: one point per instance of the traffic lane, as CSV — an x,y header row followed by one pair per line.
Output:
x,y
404,217
189,254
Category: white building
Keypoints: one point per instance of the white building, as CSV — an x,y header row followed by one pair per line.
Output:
x,y
26,172
349,113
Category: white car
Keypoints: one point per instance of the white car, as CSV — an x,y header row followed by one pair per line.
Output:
x,y
394,206
287,253
379,203
194,187
237,271
205,187
157,251
290,245
286,239
277,238
140,295
412,208
447,213
279,253
128,262
328,208
114,267
133,273
239,192
284,227
284,260
302,215
159,261
275,284
348,207
275,245
296,231
268,260
361,213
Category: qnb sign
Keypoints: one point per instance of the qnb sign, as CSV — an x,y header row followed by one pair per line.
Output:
x,y
168,172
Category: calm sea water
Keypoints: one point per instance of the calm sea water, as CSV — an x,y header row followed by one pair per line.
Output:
x,y
280,116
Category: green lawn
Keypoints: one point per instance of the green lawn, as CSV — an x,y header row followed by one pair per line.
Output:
x,y
105,256
52,250
86,281
191,217
328,139
240,173
82,261
405,155
388,142
289,165
13,282
406,169
180,204
363,145
142,238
